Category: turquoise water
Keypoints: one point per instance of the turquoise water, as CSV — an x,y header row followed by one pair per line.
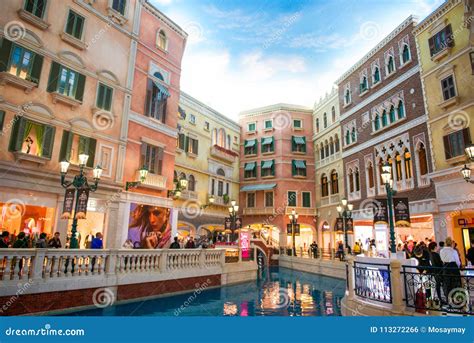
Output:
x,y
278,292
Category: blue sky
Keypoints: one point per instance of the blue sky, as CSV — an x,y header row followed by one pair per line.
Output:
x,y
250,53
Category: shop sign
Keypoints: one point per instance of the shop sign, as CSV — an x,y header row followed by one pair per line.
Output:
x,y
238,223
465,222
244,242
350,225
381,212
402,212
82,200
339,225
227,223
68,203
289,229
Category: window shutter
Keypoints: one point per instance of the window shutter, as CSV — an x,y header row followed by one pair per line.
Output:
x,y
2,119
293,168
186,144
91,151
159,161
293,145
273,144
36,68
149,95
5,50
66,144
195,146
431,44
261,168
53,77
465,135
273,167
108,98
447,149
143,155
304,146
48,141
100,96
16,138
81,80
449,36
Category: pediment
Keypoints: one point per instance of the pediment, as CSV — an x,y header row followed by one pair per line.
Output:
x,y
81,123
72,58
108,76
38,109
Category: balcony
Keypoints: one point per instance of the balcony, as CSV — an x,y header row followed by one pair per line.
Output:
x,y
191,195
153,181
223,154
424,181
302,211
259,211
219,201
328,160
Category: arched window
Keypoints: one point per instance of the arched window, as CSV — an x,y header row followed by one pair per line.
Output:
x,y
384,118
405,54
364,84
351,181
324,186
326,148
333,114
357,179
381,163
334,183
422,159
220,172
390,65
162,40
158,75
370,175
331,146
228,142
353,135
214,137
398,166
348,137
221,138
348,96
317,125
376,75
182,176
408,168
336,140
325,120
156,99
401,110
191,183
392,114
321,149
376,122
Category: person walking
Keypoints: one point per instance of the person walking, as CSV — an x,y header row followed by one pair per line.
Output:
x,y
175,244
96,244
340,251
55,242
436,268
314,249
41,242
451,265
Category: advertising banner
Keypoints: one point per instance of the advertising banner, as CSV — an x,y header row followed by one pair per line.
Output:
x,y
68,203
381,212
149,226
402,212
82,199
339,225
289,229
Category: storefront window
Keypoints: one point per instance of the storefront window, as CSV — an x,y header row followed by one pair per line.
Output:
x,y
18,217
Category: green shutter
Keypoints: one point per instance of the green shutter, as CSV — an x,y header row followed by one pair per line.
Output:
x,y
293,143
36,68
5,50
66,144
108,98
195,146
256,146
261,168
91,152
273,167
48,141
304,145
16,138
53,77
81,80
186,143
2,119
293,168
100,96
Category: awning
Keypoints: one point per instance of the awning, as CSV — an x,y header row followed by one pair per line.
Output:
x,y
300,164
250,166
299,140
249,144
163,90
261,187
267,140
267,164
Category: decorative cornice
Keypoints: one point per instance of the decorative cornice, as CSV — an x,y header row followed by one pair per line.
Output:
x,y
329,97
411,20
435,15
152,124
273,108
161,16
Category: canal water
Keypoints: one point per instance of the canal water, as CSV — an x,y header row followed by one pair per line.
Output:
x,y
277,292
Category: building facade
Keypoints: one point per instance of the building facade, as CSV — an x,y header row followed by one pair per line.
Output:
x,y
383,120
207,156
277,173
62,96
155,65
445,42
328,166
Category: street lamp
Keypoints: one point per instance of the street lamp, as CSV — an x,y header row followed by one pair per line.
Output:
x,y
179,186
293,221
345,212
79,183
233,210
143,172
388,181
466,171
210,201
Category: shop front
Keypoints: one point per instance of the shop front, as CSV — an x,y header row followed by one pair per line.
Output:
x,y
463,232
303,239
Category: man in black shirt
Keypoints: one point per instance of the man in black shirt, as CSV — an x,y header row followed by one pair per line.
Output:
x,y
4,239
470,253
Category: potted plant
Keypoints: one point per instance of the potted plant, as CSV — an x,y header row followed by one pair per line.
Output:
x,y
226,198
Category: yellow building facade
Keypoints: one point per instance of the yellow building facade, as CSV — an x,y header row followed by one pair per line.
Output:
x,y
445,47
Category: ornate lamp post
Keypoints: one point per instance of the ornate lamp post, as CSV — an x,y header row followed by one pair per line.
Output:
x,y
466,171
79,182
233,210
387,180
345,212
293,221
180,185
143,174
210,201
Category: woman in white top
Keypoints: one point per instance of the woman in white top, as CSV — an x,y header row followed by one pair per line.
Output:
x,y
451,265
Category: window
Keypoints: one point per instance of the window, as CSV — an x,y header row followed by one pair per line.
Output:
x,y
220,172
251,127
326,148
347,98
298,168
334,182
267,168
405,54
36,7
306,199
156,99
317,125
348,137
250,170
324,186
353,135
213,186
364,85
104,97
152,158
250,147
370,175
390,65
297,124
376,122
268,124
119,6
376,75
191,183
268,199
2,119
333,114
291,198
250,199
192,118
325,120
268,144
220,188
192,145
351,181
357,180
331,146
72,145
31,138
227,188
20,62
456,142
162,40
441,40
66,81
408,170
392,114
75,24
206,126
181,141
401,110
447,86
322,151
384,118
336,143
422,158
398,166
298,144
